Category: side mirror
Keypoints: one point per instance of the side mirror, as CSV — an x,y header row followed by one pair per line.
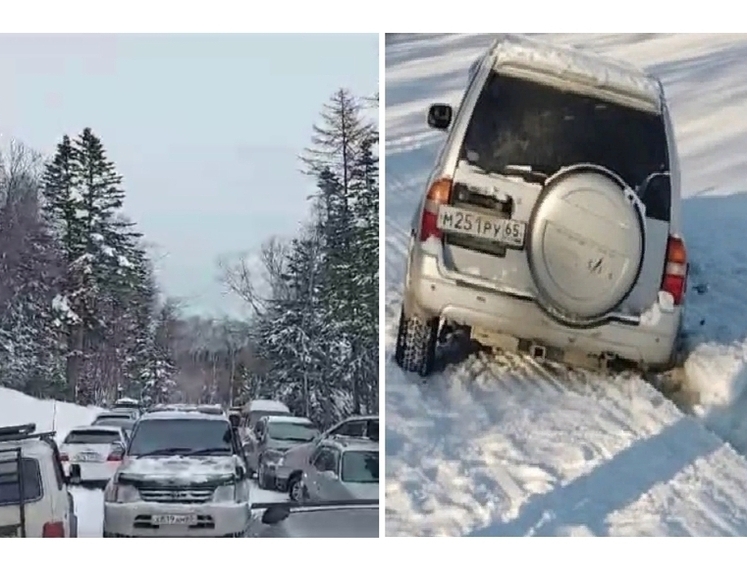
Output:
x,y
275,514
439,116
74,477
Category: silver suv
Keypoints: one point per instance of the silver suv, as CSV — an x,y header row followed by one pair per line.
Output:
x,y
342,469
183,475
550,223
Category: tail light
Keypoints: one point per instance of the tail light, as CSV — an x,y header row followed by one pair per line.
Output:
x,y
64,457
438,194
114,456
53,529
675,270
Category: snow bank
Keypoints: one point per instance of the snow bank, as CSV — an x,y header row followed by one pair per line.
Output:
x,y
17,408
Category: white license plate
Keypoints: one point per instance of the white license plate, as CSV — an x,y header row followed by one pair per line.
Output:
x,y
508,232
88,457
174,520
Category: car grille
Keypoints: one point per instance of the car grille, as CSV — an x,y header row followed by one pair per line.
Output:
x,y
176,495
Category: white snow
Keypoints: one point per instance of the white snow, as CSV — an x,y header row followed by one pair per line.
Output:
x,y
501,446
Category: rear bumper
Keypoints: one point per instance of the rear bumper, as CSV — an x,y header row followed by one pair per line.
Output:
x,y
213,520
94,472
429,294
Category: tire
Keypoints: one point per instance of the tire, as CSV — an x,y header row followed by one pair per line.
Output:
x,y
295,489
415,351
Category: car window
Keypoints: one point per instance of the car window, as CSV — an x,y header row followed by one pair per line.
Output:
x,y
182,433
360,466
92,437
259,428
291,431
125,423
32,482
356,428
325,460
519,122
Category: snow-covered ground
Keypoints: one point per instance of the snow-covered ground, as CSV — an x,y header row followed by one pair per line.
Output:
x,y
17,408
501,446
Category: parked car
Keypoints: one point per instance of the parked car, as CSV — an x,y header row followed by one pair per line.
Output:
x,y
34,496
351,519
341,469
290,469
183,475
116,420
275,435
128,405
551,221
251,415
97,450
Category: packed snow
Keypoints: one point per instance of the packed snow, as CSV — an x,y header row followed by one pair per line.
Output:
x,y
17,408
499,445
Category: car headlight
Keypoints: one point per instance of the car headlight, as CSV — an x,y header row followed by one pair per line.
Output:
x,y
120,493
226,494
272,457
281,460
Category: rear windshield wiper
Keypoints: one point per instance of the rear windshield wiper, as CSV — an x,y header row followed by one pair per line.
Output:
x,y
525,172
167,451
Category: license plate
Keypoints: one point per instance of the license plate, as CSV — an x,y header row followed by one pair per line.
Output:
x,y
88,457
508,232
184,520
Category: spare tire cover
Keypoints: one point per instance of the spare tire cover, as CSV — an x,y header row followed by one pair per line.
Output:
x,y
585,245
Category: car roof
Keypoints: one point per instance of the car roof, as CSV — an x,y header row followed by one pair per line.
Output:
x,y
524,52
266,406
288,419
182,415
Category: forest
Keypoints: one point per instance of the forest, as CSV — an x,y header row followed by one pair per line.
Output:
x,y
83,318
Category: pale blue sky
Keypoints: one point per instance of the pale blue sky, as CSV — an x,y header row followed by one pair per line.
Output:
x,y
205,129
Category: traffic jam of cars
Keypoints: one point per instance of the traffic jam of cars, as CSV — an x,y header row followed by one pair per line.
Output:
x,y
189,470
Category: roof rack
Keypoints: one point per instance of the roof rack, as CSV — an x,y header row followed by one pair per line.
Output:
x,y
23,432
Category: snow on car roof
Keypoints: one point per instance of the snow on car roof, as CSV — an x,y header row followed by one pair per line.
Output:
x,y
124,401
592,68
288,419
354,444
268,406
182,414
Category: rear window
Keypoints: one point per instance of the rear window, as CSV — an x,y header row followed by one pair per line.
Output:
x,y
290,431
91,437
115,422
518,122
360,467
182,435
32,484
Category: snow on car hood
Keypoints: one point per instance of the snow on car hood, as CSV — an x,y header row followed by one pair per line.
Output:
x,y
178,469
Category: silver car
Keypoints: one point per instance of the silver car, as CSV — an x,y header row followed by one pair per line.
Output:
x,y
342,469
276,434
290,469
551,221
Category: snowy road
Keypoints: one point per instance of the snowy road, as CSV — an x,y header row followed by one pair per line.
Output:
x,y
501,446
89,507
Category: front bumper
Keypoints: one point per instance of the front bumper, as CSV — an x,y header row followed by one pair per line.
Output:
x,y
134,519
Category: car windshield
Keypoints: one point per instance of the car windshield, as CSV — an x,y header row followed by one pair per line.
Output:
x,y
360,466
213,437
290,431
91,437
521,123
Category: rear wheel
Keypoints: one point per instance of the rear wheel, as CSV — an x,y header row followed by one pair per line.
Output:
x,y
416,344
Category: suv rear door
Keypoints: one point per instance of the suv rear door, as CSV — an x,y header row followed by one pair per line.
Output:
x,y
520,133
